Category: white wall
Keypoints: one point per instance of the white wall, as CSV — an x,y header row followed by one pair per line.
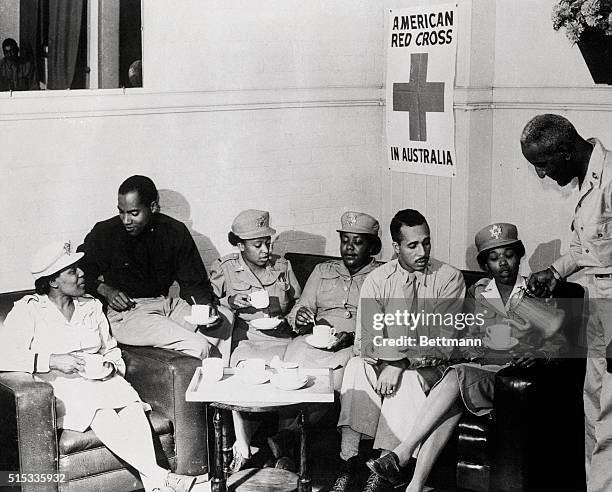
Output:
x,y
538,71
273,106
279,105
511,66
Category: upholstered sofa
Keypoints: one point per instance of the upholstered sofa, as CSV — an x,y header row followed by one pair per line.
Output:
x,y
534,438
30,441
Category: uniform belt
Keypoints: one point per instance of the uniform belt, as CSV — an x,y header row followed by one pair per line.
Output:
x,y
603,275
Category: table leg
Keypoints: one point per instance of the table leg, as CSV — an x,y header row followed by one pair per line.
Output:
x,y
304,483
228,454
218,482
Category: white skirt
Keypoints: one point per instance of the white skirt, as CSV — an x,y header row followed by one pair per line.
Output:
x,y
78,399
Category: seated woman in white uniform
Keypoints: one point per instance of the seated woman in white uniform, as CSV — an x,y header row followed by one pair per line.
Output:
x,y
470,386
54,334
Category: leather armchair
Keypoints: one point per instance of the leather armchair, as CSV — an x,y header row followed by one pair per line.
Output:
x,y
32,443
534,438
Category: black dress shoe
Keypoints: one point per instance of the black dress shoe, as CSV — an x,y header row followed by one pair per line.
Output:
x,y
376,484
388,468
348,474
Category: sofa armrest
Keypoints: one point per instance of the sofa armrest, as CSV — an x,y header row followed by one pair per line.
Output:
x,y
537,429
28,430
161,378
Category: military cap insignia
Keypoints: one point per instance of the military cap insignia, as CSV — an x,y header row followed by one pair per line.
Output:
x,y
351,219
260,221
67,248
495,231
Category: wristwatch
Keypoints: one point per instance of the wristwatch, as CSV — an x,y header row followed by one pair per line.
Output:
x,y
555,273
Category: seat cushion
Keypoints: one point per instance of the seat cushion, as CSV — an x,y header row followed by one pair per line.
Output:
x,y
72,441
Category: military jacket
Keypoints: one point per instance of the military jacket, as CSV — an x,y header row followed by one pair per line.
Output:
x,y
230,275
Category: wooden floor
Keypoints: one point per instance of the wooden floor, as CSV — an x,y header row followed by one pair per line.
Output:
x,y
325,461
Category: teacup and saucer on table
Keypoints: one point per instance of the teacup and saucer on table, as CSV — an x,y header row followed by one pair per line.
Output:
x,y
322,337
253,371
499,337
288,375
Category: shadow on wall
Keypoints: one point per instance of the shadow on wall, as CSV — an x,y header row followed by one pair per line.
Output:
x,y
299,242
470,258
175,205
544,255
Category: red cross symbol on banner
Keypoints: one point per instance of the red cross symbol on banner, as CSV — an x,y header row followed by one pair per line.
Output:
x,y
418,97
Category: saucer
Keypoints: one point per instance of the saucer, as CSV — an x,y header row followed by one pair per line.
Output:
x,y
288,384
265,323
255,378
506,346
106,371
203,322
318,343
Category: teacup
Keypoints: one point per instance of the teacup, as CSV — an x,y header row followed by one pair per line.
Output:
x,y
288,370
212,369
323,333
499,334
259,299
254,367
200,312
94,364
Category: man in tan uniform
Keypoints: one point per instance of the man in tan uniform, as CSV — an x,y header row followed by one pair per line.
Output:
x,y
384,387
554,147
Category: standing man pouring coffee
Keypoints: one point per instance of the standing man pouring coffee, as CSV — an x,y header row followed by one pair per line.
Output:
x,y
554,147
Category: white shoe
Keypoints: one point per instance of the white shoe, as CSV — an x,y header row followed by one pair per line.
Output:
x,y
179,483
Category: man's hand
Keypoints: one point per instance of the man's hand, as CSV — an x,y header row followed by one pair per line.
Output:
x,y
343,340
66,363
239,301
542,283
527,360
389,379
116,299
303,318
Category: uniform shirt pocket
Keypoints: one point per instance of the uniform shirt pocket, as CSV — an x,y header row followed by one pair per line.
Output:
x,y
601,241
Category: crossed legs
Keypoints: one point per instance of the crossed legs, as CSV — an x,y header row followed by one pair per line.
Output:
x,y
436,421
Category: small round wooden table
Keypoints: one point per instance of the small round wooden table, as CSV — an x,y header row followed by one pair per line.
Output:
x,y
255,479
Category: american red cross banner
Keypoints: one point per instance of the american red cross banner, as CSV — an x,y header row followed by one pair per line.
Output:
x,y
421,53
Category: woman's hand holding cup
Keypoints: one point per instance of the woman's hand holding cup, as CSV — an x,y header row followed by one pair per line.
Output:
x,y
66,363
303,318
239,301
